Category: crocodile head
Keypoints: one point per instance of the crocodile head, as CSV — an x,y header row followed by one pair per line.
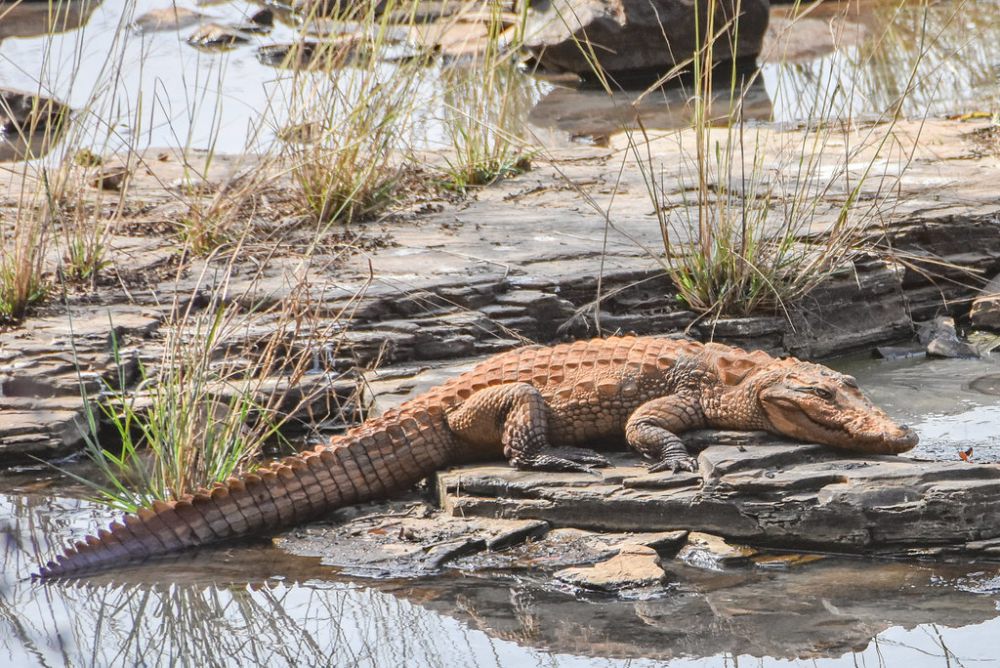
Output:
x,y
812,403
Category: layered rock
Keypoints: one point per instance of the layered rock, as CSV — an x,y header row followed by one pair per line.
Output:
x,y
767,493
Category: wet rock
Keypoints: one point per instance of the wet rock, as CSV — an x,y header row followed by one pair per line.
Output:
x,y
311,54
784,560
635,37
985,311
788,496
704,550
402,538
634,566
941,340
215,36
168,18
310,9
899,352
260,23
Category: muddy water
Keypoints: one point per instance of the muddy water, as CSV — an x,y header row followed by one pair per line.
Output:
x,y
841,60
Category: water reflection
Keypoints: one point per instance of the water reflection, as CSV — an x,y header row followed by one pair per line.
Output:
x,y
252,604
597,115
866,58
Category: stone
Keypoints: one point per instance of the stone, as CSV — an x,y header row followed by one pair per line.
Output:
x,y
110,178
167,18
705,550
788,496
985,311
635,37
941,339
215,36
403,538
312,54
634,566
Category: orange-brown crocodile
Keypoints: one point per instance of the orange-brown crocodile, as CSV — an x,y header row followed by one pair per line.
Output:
x,y
648,389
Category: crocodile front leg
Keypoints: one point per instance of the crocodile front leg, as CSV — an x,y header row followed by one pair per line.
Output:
x,y
652,431
515,415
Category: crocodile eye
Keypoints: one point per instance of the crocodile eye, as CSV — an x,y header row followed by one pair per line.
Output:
x,y
850,381
822,393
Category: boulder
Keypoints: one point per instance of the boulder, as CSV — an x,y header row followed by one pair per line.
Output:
x,y
638,37
985,312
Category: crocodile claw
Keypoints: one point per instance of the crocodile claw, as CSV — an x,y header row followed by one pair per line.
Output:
x,y
583,456
552,464
674,464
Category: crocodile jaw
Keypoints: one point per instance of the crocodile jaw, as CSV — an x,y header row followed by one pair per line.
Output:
x,y
828,408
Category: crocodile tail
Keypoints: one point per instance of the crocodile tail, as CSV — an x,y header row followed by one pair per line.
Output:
x,y
380,457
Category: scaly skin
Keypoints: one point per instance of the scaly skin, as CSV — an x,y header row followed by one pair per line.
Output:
x,y
646,389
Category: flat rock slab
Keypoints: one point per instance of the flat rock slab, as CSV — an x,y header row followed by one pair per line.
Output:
x,y
394,539
634,566
774,494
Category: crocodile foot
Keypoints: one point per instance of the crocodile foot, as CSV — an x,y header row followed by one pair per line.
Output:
x,y
552,464
674,463
583,456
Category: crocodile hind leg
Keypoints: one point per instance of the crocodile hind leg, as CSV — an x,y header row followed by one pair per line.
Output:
x,y
652,431
515,416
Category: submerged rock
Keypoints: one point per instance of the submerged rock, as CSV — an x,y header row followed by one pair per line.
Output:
x,y
637,37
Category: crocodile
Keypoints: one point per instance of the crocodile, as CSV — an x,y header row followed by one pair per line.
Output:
x,y
519,403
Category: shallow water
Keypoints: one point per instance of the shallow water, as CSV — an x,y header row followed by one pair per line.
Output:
x,y
851,60
953,404
252,604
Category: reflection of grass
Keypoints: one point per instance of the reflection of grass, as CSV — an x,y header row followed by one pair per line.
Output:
x,y
924,58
